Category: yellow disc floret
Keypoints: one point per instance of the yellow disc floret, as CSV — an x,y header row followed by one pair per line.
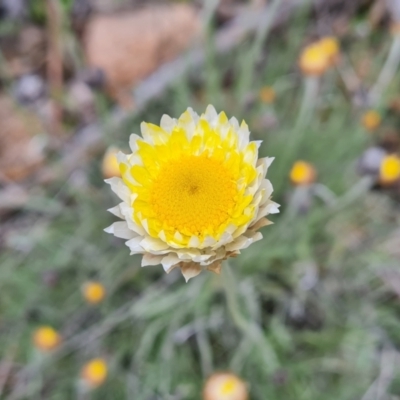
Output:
x,y
194,195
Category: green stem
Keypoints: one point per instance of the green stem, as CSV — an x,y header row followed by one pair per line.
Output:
x,y
249,328
250,59
388,71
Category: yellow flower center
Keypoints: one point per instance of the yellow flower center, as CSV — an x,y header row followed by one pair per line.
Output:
x,y
95,372
193,195
229,386
302,173
371,120
390,169
93,292
46,338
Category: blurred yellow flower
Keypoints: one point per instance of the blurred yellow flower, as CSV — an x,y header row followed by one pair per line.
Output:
x,y
110,165
267,95
94,373
331,47
390,169
93,292
302,173
371,120
319,56
46,338
193,192
313,61
225,386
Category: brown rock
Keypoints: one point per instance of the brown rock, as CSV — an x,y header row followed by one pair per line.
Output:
x,y
129,46
20,154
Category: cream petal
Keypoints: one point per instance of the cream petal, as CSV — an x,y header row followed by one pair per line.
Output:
x,y
187,254
188,123
211,115
242,242
273,208
226,237
127,212
208,241
261,223
267,186
234,123
133,138
178,237
122,157
151,259
120,229
119,188
265,162
194,242
190,270
244,135
151,244
167,123
169,261
116,211
134,245
146,132
194,115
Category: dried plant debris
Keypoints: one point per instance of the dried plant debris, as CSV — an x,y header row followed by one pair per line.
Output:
x,y
129,46
20,152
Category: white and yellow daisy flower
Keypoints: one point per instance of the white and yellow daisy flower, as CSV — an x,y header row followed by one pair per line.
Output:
x,y
193,192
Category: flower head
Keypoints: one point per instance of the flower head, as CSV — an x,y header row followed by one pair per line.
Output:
x,y
267,95
319,56
46,338
225,386
331,47
94,373
193,192
302,173
389,172
110,165
93,292
371,120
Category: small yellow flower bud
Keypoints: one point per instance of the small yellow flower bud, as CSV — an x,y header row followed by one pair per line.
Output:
x,y
225,386
390,170
93,292
331,47
371,120
46,338
110,166
302,173
314,60
94,373
267,95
